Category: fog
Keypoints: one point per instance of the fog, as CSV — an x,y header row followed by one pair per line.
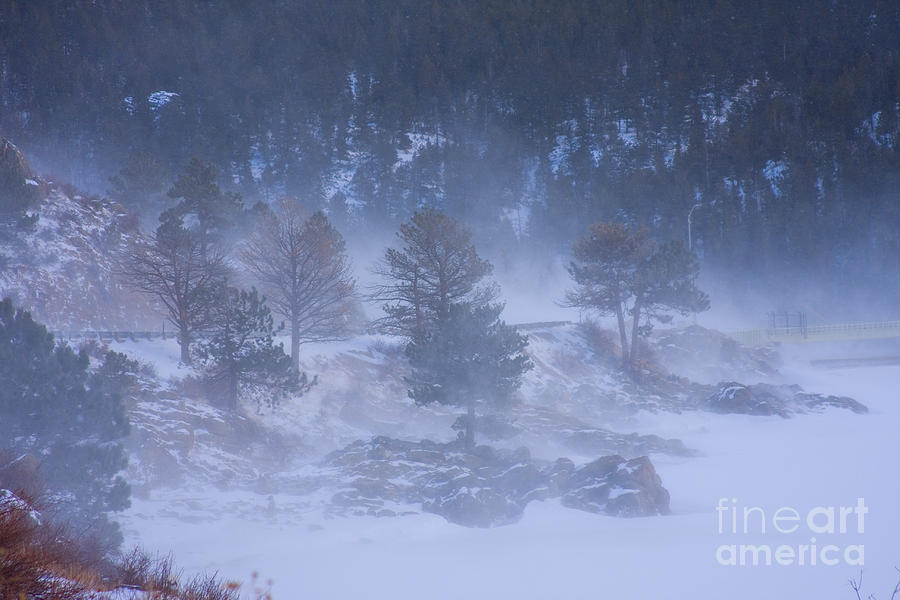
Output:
x,y
247,320
828,459
274,496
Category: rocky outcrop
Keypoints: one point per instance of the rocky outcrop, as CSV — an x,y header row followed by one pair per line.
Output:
x,y
614,486
484,487
781,400
19,187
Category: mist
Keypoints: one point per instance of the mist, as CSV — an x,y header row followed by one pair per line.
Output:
x,y
411,300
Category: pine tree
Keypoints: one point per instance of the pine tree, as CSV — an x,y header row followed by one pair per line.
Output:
x,y
213,209
618,272
70,418
139,183
435,267
241,353
470,356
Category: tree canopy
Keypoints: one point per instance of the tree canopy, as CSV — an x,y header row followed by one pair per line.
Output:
x,y
620,271
470,356
241,354
434,266
301,263
70,418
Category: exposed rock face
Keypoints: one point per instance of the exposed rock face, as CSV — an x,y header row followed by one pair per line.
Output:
x,y
617,487
19,187
737,398
485,487
782,400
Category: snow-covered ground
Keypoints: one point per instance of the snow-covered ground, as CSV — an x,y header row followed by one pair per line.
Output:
x,y
815,460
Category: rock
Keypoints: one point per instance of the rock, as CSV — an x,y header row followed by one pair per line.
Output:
x,y
818,402
709,356
484,487
475,507
741,399
614,486
597,441
585,439
767,399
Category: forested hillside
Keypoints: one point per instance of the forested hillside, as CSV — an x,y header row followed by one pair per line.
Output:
x,y
528,119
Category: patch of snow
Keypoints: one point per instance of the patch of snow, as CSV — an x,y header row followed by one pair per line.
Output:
x,y
417,143
353,84
161,98
10,501
617,491
871,126
774,173
627,133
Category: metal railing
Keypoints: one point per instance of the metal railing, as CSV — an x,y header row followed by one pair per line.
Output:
x,y
114,336
819,333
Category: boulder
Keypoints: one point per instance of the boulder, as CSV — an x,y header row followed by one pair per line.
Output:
x,y
767,399
484,487
737,398
614,486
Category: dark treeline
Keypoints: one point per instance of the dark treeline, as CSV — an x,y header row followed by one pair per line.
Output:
x,y
536,117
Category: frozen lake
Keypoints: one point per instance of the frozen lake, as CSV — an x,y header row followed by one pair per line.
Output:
x,y
818,460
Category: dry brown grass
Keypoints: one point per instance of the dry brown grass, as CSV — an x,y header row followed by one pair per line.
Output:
x,y
38,561
158,576
43,561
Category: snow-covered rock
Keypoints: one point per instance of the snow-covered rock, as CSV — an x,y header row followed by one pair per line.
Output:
x,y
782,400
484,487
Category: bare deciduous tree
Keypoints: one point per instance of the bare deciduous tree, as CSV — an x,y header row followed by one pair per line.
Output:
x,y
302,266
170,265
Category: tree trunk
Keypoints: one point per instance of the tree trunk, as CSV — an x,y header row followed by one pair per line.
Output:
x,y
635,324
470,423
184,340
623,336
417,306
295,342
233,390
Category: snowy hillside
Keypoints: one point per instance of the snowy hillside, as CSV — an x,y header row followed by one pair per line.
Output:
x,y
64,267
